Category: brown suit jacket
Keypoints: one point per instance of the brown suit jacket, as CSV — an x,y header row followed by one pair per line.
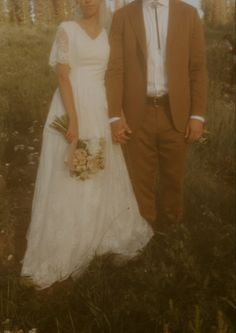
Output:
x,y
126,77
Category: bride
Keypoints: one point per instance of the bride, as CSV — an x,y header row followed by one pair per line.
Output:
x,y
75,218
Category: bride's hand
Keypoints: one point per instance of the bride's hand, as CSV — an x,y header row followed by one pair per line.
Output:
x,y
120,131
72,132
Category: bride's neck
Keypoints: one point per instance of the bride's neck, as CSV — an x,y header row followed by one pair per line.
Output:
x,y
91,21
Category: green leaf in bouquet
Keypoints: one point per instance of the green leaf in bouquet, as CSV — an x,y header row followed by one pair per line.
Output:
x,y
60,124
81,144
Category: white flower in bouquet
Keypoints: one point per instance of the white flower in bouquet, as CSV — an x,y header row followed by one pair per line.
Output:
x,y
92,165
81,153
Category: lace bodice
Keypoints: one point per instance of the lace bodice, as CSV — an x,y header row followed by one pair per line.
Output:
x,y
73,46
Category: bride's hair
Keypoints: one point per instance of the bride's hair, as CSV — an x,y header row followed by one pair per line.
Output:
x,y
105,15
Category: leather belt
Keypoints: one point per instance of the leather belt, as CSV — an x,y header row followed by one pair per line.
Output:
x,y
156,101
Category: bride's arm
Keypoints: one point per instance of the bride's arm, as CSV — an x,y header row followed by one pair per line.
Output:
x,y
66,92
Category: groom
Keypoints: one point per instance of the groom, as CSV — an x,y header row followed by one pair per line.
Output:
x,y
157,94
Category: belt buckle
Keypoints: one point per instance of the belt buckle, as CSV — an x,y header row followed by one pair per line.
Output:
x,y
155,101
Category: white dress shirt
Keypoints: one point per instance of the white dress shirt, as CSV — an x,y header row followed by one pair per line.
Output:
x,y
157,81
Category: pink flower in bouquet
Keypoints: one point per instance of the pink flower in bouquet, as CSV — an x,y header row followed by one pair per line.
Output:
x,y
81,153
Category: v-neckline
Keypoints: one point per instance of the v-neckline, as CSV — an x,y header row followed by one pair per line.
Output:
x,y
85,32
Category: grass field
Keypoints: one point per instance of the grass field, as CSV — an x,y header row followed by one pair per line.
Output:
x,y
183,282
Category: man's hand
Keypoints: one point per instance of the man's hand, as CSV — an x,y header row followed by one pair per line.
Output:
x,y
120,131
194,130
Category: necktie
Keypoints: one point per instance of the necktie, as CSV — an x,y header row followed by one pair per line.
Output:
x,y
155,4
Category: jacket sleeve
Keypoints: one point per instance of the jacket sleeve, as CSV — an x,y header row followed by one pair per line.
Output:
x,y
198,68
115,69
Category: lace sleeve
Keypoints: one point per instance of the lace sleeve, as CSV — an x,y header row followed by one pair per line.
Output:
x,y
60,48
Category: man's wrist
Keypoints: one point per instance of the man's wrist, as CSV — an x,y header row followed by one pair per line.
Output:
x,y
200,118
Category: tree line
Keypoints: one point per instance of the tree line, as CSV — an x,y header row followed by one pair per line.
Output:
x,y
216,12
35,11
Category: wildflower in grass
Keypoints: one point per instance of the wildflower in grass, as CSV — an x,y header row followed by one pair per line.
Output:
x,y
33,330
10,257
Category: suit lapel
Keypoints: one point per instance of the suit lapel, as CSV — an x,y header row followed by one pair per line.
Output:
x,y
135,11
174,23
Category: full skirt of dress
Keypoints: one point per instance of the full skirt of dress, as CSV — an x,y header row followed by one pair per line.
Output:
x,y
74,220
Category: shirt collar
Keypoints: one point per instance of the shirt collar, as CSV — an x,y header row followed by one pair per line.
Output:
x,y
161,2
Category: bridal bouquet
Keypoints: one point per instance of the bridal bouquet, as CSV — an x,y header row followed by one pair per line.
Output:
x,y
87,156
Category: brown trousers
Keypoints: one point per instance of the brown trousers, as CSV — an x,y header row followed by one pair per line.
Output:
x,y
157,148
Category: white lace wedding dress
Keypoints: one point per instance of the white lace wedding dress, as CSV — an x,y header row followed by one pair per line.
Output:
x,y
74,220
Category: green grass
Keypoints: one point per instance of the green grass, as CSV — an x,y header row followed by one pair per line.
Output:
x,y
183,282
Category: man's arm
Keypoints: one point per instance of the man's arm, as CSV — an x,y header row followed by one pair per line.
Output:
x,y
115,69
198,69
114,81
198,82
